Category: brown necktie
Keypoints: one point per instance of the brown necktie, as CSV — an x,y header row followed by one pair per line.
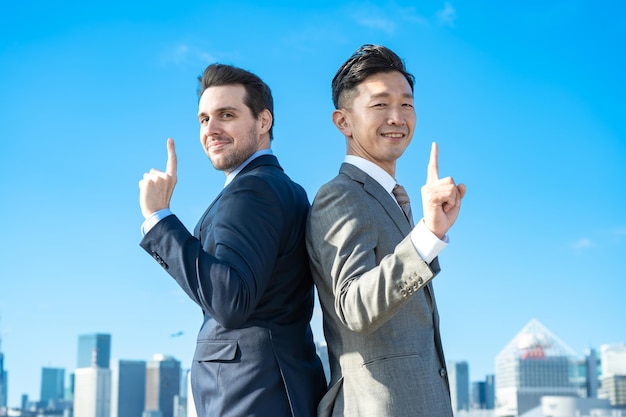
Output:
x,y
403,200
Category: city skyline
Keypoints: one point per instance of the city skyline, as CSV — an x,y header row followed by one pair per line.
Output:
x,y
462,367
525,101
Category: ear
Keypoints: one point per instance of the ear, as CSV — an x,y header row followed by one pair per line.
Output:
x,y
341,119
265,121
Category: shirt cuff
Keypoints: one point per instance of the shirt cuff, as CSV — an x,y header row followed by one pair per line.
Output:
x,y
427,244
156,217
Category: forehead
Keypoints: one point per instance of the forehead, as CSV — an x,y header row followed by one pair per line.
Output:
x,y
218,97
385,84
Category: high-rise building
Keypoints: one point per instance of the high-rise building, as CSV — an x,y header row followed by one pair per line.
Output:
x,y
534,364
591,373
94,345
614,389
191,407
613,359
490,391
322,352
162,384
613,374
92,392
482,394
181,401
458,376
128,388
52,388
3,379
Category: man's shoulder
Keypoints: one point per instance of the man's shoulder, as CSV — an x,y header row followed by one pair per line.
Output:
x,y
268,181
348,178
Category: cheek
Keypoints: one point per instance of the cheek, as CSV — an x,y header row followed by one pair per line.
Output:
x,y
202,138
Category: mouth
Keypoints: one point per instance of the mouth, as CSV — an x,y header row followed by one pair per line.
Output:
x,y
393,135
216,144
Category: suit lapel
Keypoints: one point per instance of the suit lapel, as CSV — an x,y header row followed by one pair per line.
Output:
x,y
267,160
373,188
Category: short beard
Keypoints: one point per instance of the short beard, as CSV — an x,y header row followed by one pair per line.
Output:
x,y
231,161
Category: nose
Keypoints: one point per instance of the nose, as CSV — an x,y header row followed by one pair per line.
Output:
x,y
211,127
396,117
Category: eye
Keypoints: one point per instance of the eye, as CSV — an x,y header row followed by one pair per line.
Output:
x,y
227,115
204,120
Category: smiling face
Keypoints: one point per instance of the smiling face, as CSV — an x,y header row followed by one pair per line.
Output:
x,y
229,133
379,120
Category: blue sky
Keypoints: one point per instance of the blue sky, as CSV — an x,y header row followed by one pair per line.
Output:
x,y
526,101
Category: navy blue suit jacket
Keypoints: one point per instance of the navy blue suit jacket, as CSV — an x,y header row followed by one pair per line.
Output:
x,y
246,266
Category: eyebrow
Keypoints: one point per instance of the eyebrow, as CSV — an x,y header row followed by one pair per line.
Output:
x,y
219,110
385,94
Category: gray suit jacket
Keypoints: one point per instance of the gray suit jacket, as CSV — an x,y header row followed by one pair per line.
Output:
x,y
380,317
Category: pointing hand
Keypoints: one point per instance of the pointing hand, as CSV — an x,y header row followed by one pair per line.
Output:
x,y
156,187
441,198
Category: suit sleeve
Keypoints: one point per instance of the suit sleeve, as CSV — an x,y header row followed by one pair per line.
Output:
x,y
362,259
227,277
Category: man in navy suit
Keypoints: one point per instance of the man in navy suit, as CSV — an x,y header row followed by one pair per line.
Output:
x,y
246,264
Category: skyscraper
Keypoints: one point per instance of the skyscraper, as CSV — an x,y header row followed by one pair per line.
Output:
x,y
591,374
128,388
613,359
482,394
534,364
613,378
162,384
92,393
52,387
490,392
3,379
90,344
458,376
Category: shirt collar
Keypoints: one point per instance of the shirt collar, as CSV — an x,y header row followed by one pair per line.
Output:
x,y
380,175
230,177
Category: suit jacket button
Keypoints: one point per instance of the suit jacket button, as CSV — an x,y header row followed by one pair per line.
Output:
x,y
443,372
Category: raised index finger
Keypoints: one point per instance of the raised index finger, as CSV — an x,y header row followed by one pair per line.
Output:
x,y
170,168
433,164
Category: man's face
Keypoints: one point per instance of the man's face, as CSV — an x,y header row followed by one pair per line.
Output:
x,y
229,133
380,121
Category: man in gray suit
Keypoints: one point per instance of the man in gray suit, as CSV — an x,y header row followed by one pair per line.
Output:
x,y
372,267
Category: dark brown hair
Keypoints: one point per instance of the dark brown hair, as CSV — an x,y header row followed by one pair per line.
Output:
x,y
258,94
365,61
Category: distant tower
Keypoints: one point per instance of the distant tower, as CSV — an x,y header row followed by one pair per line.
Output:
x,y
52,387
128,388
3,378
92,392
90,343
458,375
613,378
162,384
322,352
534,364
490,392
482,394
591,373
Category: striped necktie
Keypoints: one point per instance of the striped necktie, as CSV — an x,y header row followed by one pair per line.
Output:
x,y
403,200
